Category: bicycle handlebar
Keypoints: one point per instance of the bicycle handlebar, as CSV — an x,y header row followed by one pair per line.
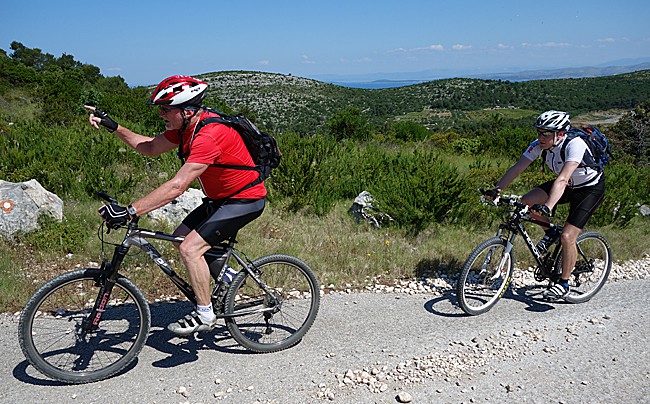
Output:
x,y
504,200
106,197
133,223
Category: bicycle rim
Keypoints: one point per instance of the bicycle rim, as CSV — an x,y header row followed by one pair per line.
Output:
x,y
485,277
592,267
52,336
279,321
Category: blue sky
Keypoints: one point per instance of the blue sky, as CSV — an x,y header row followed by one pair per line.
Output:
x,y
145,41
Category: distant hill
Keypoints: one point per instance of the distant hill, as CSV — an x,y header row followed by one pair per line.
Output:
x,y
386,80
575,72
287,103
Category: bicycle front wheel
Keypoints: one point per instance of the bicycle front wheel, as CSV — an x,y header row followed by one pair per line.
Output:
x,y
592,266
485,276
54,338
276,316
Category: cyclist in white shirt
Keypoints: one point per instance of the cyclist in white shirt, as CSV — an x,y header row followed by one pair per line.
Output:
x,y
578,183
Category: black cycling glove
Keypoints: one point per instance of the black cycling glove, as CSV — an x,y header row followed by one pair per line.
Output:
x,y
106,121
492,193
114,215
543,209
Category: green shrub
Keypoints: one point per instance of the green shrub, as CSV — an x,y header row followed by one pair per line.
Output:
x,y
63,237
466,146
626,188
409,131
299,176
349,123
418,189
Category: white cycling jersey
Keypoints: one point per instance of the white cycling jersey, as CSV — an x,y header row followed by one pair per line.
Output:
x,y
576,150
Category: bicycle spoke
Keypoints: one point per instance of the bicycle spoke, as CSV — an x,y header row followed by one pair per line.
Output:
x,y
279,321
592,267
484,278
53,336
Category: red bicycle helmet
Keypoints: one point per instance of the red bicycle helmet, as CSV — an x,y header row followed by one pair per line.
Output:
x,y
180,91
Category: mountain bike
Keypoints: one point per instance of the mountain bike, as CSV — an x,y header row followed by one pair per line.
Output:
x,y
487,272
89,324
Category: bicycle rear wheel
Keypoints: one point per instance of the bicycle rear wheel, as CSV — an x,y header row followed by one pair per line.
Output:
x,y
592,266
485,276
51,328
270,322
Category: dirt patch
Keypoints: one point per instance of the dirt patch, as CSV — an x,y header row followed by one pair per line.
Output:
x,y
598,118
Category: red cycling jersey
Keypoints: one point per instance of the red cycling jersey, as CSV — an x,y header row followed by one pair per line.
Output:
x,y
219,144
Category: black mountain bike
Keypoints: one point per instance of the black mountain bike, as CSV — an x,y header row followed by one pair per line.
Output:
x,y
89,324
487,273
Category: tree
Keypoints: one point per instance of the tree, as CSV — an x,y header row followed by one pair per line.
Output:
x,y
348,123
30,57
632,133
410,131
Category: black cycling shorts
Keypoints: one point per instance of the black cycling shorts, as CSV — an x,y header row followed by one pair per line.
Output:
x,y
216,221
582,201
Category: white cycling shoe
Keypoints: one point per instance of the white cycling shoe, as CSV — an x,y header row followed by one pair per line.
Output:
x,y
557,292
190,324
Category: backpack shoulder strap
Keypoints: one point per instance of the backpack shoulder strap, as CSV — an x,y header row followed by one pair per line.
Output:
x,y
569,137
544,152
218,119
572,135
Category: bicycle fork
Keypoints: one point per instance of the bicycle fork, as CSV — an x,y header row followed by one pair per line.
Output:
x,y
506,253
106,281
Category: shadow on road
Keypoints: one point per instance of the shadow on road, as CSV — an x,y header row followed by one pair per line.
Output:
x,y
182,350
444,306
20,373
178,350
531,296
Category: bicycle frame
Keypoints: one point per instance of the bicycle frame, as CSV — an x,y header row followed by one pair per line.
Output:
x,y
136,237
514,225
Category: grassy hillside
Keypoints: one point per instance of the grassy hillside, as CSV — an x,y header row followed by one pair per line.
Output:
x,y
420,150
288,103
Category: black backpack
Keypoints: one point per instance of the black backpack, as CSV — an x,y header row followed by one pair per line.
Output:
x,y
262,146
596,142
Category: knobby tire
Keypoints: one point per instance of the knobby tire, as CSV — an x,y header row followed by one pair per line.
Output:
x,y
592,266
481,283
51,335
273,325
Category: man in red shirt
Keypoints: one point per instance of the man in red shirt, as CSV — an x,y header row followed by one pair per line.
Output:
x,y
233,197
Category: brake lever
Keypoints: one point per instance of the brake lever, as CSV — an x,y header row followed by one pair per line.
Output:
x,y
491,202
106,197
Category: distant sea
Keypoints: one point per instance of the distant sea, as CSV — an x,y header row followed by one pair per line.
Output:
x,y
402,79
375,85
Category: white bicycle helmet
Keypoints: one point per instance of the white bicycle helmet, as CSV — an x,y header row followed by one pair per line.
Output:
x,y
553,120
179,91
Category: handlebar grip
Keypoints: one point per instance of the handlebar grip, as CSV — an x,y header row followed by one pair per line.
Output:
x,y
105,196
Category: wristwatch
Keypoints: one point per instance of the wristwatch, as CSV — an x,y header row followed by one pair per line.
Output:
x,y
131,211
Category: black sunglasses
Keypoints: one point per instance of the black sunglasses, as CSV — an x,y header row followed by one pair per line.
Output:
x,y
546,133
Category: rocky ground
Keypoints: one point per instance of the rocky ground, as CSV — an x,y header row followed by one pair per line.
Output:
x,y
406,342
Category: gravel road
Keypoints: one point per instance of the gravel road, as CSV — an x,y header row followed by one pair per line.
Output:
x,y
369,347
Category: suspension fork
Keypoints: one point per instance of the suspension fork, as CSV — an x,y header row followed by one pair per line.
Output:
x,y
509,239
505,256
106,281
